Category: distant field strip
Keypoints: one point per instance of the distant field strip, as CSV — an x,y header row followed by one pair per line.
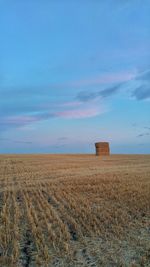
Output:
x,y
74,210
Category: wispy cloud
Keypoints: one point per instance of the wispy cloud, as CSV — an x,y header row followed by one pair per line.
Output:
x,y
80,113
37,99
142,92
8,122
144,75
85,105
88,96
146,127
107,78
19,121
26,93
136,84
15,141
69,104
22,120
143,134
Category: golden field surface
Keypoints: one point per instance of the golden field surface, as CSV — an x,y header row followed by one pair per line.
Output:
x,y
74,210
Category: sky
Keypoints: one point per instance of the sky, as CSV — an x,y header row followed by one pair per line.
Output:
x,y
73,73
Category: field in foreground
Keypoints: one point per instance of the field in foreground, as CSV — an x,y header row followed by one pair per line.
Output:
x,y
74,210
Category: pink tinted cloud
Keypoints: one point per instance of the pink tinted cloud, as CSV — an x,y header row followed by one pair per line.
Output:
x,y
105,79
79,113
19,120
23,120
70,104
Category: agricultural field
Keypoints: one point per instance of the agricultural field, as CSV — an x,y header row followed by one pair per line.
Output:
x,y
74,210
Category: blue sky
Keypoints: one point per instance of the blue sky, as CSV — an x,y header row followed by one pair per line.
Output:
x,y
73,73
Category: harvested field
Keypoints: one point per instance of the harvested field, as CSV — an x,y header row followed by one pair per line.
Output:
x,y
74,210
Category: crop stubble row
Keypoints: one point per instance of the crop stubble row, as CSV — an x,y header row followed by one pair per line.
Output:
x,y
51,205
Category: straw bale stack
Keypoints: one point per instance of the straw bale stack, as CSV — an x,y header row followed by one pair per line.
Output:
x,y
102,149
